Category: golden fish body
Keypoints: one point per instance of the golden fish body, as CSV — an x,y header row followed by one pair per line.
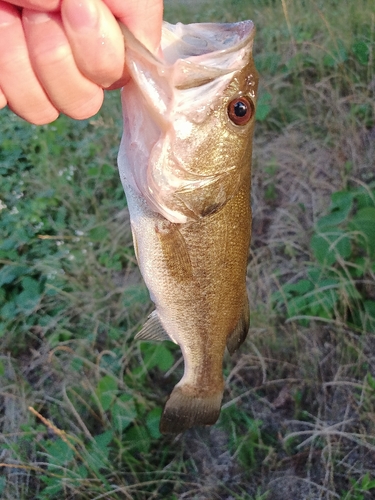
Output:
x,y
185,163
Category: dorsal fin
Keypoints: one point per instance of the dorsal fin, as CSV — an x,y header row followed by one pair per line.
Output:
x,y
239,334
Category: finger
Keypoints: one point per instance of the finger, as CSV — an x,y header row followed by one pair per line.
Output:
x,y
54,65
18,83
3,100
44,5
96,41
143,17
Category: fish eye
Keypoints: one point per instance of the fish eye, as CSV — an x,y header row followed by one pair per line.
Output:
x,y
240,110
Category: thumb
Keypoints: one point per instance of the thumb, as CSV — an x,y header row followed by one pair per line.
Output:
x,y
144,18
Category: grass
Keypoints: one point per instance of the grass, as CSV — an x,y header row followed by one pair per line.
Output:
x,y
80,400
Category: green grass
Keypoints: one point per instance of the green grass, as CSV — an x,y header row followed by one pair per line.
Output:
x,y
80,401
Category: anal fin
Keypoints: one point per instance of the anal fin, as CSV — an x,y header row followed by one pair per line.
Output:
x,y
153,330
237,337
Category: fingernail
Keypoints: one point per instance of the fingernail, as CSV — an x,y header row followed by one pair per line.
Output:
x,y
35,17
81,15
8,15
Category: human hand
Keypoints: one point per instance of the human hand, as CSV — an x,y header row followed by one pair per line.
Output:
x,y
58,55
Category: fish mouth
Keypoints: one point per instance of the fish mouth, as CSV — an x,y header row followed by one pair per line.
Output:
x,y
196,40
189,45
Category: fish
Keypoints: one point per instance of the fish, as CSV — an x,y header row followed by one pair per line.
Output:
x,y
185,166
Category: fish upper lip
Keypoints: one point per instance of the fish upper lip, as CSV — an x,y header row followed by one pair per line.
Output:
x,y
245,31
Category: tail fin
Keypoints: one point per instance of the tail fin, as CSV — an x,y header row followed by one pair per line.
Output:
x,y
184,410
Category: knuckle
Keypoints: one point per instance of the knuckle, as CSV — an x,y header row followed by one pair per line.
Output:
x,y
102,67
39,116
87,105
15,58
52,56
42,116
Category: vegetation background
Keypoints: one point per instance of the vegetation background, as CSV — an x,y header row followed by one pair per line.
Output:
x,y
80,401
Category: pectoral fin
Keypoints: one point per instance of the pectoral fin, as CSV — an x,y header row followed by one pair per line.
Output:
x,y
153,330
135,245
175,251
236,338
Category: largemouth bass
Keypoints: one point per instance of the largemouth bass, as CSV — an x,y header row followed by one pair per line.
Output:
x,y
185,165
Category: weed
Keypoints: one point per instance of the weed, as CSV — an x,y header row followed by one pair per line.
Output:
x,y
339,284
360,488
